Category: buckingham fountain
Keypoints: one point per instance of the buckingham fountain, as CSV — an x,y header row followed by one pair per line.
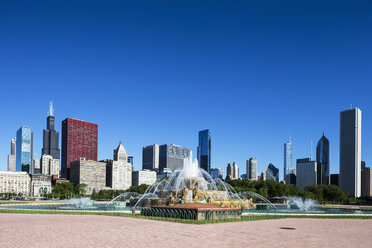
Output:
x,y
189,193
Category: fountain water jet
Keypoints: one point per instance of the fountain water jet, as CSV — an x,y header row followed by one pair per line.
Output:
x,y
303,205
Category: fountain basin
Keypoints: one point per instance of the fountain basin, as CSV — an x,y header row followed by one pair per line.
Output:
x,y
194,211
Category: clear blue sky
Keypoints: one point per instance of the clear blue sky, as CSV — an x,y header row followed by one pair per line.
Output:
x,y
146,72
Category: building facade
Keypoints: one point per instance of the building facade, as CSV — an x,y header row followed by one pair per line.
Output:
x,y
262,177
35,165
119,170
232,171
350,151
323,161
306,172
217,173
89,172
131,160
366,189
287,159
150,158
335,179
12,156
51,137
143,177
49,165
173,157
40,184
272,173
229,171
79,140
15,182
24,149
251,165
204,150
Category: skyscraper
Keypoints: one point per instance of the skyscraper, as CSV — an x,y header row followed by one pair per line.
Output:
x,y
119,170
272,173
236,170
322,160
35,165
204,150
173,156
150,158
79,140
216,173
306,172
350,151
287,159
12,156
50,136
251,169
24,149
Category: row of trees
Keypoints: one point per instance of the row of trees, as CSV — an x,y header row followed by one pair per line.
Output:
x,y
106,195
268,189
271,188
67,190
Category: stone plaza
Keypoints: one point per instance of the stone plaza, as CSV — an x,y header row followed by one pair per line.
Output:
x,y
35,230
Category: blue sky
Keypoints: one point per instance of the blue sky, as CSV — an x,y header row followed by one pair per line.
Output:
x,y
253,72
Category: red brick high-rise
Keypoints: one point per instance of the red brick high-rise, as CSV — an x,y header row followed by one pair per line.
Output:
x,y
79,140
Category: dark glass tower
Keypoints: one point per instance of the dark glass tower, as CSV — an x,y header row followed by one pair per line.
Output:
x,y
50,137
204,150
272,173
322,160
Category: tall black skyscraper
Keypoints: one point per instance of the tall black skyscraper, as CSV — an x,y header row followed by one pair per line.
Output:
x,y
204,150
322,160
50,137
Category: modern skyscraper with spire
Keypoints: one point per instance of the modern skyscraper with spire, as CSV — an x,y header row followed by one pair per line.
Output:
x,y
50,136
322,160
287,158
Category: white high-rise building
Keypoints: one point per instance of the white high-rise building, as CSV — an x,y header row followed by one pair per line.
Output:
x,y
119,170
12,156
350,151
49,165
35,165
236,171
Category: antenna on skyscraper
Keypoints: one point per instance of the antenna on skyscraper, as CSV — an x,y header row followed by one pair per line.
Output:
x,y
290,138
311,149
51,110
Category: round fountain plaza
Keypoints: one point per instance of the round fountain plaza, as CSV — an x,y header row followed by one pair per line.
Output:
x,y
190,193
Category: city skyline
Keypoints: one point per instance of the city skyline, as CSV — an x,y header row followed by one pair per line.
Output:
x,y
120,70
241,168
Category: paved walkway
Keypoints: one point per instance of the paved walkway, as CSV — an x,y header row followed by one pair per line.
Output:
x,y
33,230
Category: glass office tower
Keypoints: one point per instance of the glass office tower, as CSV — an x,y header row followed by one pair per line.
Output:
x,y
204,150
287,159
322,159
272,173
24,151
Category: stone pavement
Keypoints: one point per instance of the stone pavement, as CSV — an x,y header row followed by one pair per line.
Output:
x,y
34,230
